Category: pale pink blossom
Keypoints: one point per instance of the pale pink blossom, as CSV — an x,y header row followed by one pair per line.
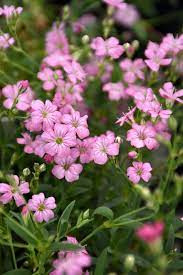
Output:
x,y
132,69
59,140
168,92
56,41
127,16
77,123
38,145
17,96
150,232
6,41
115,91
143,97
42,207
14,190
49,78
71,263
10,11
155,110
74,71
27,141
56,59
115,3
156,57
127,117
138,171
44,113
83,150
172,45
109,47
66,167
103,147
83,22
141,136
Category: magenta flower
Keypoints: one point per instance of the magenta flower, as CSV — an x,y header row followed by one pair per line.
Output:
x,y
168,92
138,171
6,41
16,96
141,136
56,41
115,3
10,11
66,167
109,47
115,91
42,207
103,147
132,69
83,150
150,232
171,44
59,140
156,57
154,109
74,71
143,97
77,123
71,263
27,141
14,190
44,113
49,78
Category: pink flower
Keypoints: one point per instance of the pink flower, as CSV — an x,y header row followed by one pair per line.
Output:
x,y
83,150
141,136
132,154
150,232
38,145
27,141
115,90
56,41
139,171
42,207
6,41
71,263
103,147
74,71
156,57
155,110
66,167
10,11
17,97
49,78
115,3
143,97
109,47
77,123
168,92
14,190
127,16
44,113
171,44
132,69
127,117
59,140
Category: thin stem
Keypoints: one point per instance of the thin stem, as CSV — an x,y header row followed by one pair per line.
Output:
x,y
132,213
92,233
12,249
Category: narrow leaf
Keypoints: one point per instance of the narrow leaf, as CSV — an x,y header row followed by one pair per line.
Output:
x,y
18,272
63,221
101,263
64,246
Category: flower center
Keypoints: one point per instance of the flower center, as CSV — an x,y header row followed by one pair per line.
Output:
x,y
75,124
66,166
44,114
41,207
59,140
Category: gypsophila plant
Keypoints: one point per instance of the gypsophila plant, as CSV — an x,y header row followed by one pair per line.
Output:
x,y
90,140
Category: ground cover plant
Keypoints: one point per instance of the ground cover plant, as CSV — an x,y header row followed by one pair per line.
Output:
x,y
90,139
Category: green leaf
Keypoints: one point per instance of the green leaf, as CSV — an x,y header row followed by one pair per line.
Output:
x,y
63,221
18,272
64,246
170,242
175,265
101,263
22,231
105,212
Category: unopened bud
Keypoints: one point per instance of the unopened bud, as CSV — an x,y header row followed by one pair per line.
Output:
x,y
132,155
135,44
118,139
129,262
172,123
85,39
126,46
86,214
26,172
42,167
66,12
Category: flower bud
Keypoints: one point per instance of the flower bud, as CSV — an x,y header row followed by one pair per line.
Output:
x,y
129,262
132,155
42,168
26,172
85,39
172,122
86,214
119,140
